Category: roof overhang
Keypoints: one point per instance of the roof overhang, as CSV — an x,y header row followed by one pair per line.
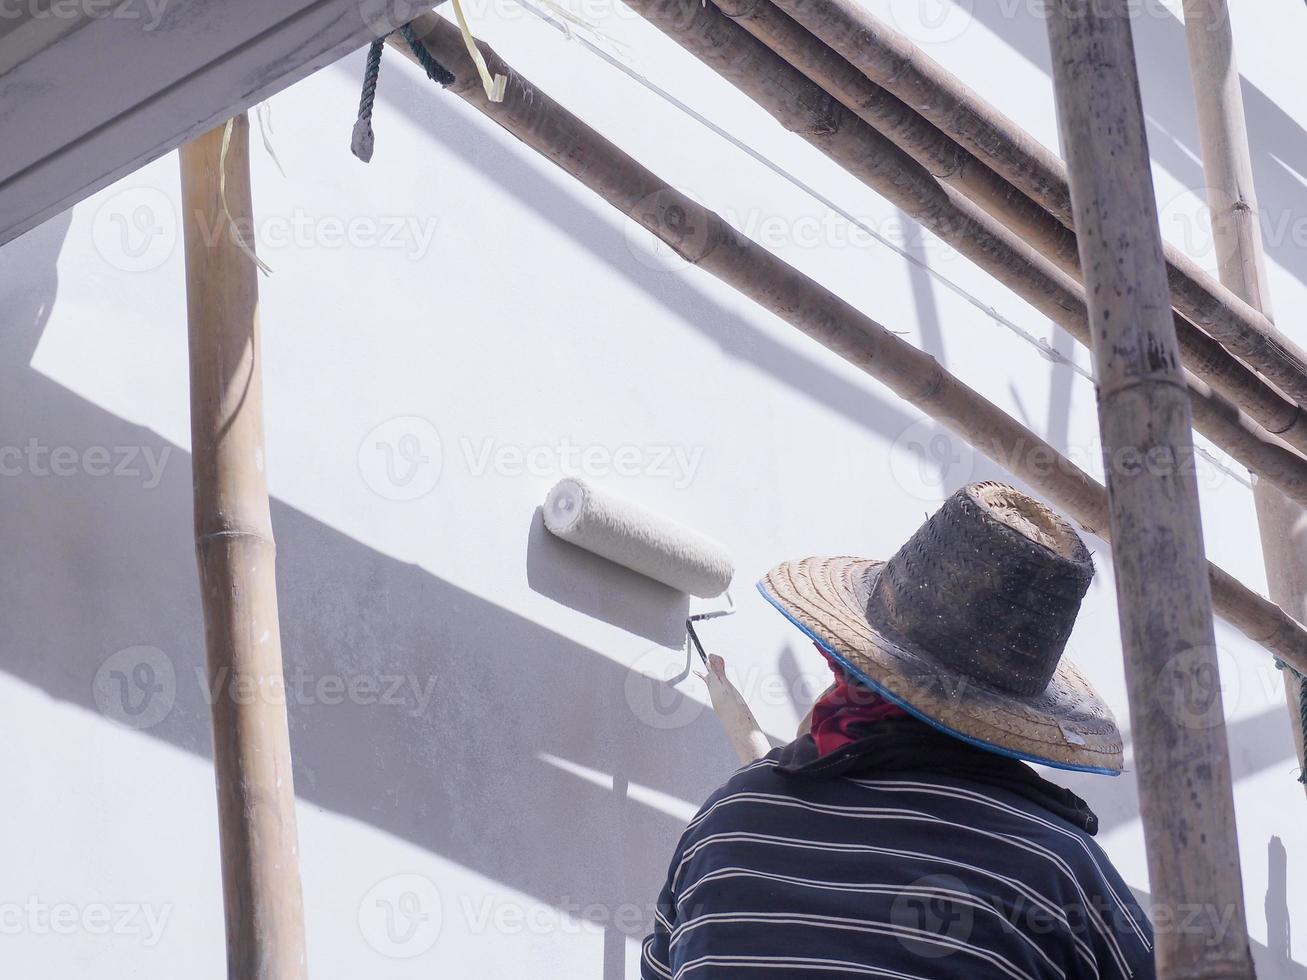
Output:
x,y
90,90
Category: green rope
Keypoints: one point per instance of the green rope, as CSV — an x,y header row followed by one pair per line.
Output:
x,y
434,69
362,140
1302,708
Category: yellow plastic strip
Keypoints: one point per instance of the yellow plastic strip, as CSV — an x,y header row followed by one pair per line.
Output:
x,y
237,237
567,20
494,86
263,111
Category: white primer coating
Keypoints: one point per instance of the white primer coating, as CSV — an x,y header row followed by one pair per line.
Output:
x,y
637,538
611,346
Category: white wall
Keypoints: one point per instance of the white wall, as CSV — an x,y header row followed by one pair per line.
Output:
x,y
514,803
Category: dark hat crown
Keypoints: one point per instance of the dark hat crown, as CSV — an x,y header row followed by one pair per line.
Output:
x,y
989,587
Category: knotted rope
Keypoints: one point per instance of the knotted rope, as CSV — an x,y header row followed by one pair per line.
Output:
x,y
362,140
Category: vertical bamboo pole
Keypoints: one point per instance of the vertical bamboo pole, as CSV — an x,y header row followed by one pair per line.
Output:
x,y
1181,756
1232,199
235,551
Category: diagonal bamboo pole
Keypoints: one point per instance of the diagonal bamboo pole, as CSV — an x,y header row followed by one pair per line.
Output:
x,y
953,165
235,550
892,61
1186,793
1283,523
944,157
702,238
1227,163
805,109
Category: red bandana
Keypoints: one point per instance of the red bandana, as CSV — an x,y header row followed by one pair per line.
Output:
x,y
846,704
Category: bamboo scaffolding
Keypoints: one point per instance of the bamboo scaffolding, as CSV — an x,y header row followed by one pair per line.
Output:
x,y
1227,165
953,165
235,552
702,238
806,110
1180,749
892,61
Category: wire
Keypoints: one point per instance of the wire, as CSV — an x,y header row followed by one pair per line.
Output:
x,y
1041,344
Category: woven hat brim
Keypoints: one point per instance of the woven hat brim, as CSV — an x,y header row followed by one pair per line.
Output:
x,y
1067,725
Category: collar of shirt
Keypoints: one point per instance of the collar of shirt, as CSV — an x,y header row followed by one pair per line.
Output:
x,y
909,745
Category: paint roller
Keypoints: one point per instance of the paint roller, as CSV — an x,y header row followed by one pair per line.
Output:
x,y
638,539
668,552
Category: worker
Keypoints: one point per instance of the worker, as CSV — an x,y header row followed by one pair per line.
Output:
x,y
902,834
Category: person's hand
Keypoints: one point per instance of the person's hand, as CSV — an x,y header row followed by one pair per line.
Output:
x,y
733,712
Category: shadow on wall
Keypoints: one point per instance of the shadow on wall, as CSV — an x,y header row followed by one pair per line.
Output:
x,y
107,565
445,120
1272,961
1278,141
1278,935
601,589
1256,743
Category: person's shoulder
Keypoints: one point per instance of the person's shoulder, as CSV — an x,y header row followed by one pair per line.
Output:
x,y
761,775
757,777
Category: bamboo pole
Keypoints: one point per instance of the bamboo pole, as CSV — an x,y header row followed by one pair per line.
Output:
x,y
1227,164
235,551
1186,793
953,165
892,61
702,238
1284,523
946,159
805,109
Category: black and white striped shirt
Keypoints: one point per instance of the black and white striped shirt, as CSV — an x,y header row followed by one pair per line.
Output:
x,y
905,855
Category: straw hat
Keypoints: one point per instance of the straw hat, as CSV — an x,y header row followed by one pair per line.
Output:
x,y
965,625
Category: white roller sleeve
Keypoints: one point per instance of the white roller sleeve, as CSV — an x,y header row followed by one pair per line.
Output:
x,y
637,538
